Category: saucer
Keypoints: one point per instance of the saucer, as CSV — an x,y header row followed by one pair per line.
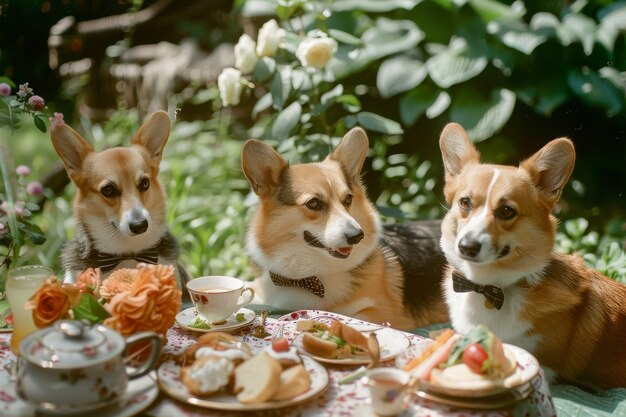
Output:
x,y
140,393
186,317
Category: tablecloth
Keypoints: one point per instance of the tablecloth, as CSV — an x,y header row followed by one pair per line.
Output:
x,y
338,400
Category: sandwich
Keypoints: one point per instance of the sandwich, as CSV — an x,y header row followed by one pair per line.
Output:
x,y
475,361
336,341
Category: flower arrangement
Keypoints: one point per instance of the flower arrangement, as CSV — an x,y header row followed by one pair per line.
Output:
x,y
128,301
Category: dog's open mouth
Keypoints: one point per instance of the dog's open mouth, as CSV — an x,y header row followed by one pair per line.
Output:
x,y
341,253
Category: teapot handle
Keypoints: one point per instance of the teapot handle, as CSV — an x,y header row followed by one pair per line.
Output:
x,y
155,352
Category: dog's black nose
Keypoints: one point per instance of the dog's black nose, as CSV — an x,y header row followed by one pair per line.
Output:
x,y
355,238
469,247
137,227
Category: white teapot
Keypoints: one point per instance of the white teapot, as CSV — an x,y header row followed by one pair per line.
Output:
x,y
74,367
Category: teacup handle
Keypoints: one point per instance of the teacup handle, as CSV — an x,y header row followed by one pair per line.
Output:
x,y
250,296
155,352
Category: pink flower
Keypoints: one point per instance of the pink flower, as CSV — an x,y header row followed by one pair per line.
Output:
x,y
37,103
55,121
22,170
24,91
34,188
5,89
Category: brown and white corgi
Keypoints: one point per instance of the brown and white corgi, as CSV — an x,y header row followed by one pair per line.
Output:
x,y
498,238
120,205
317,243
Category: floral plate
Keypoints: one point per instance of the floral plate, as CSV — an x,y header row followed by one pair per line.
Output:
x,y
392,343
168,376
186,318
514,387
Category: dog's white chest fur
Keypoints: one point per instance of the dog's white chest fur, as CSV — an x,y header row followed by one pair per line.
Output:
x,y
468,310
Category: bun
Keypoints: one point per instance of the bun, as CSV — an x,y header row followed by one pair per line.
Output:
x,y
207,375
318,346
257,379
293,381
349,334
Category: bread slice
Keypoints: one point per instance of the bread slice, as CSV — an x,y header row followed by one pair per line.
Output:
x,y
293,381
257,379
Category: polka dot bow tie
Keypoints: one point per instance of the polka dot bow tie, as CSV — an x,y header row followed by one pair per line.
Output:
x,y
492,294
312,284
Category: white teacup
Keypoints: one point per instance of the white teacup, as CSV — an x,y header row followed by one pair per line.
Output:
x,y
217,297
388,390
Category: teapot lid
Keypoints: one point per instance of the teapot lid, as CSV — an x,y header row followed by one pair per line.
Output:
x,y
71,344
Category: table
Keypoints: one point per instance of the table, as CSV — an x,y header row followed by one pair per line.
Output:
x,y
338,400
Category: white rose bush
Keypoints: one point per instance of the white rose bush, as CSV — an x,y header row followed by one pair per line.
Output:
x,y
291,78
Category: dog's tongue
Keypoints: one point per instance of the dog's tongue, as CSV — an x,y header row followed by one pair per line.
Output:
x,y
344,251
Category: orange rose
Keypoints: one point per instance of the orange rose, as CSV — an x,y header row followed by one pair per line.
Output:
x,y
151,303
89,281
52,302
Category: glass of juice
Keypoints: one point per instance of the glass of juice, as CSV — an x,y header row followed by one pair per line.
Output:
x,y
21,284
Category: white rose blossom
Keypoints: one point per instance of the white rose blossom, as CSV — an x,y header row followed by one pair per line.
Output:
x,y
245,54
269,39
315,52
229,83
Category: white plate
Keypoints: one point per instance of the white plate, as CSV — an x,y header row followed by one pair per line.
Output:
x,y
186,317
527,368
392,342
168,376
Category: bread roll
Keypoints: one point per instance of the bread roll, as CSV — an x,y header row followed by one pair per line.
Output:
x,y
207,375
293,381
257,379
318,346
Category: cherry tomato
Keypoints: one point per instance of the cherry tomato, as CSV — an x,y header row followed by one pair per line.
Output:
x,y
474,356
280,344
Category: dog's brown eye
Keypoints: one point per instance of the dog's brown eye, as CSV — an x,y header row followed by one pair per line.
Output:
x,y
109,191
348,200
505,212
314,204
465,203
144,184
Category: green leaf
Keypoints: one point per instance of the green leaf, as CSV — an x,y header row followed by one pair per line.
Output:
x,y
300,80
442,102
344,37
90,309
415,103
517,36
546,93
490,10
375,123
372,6
286,121
262,104
482,117
578,27
41,125
390,36
264,69
350,102
199,323
281,87
596,90
8,81
455,64
399,74
612,23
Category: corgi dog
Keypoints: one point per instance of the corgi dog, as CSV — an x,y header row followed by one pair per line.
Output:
x,y
120,205
316,242
498,238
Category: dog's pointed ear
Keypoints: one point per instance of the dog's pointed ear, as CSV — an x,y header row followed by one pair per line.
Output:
x,y
457,150
262,165
352,151
153,134
72,149
551,167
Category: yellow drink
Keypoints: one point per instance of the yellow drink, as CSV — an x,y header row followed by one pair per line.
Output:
x,y
21,284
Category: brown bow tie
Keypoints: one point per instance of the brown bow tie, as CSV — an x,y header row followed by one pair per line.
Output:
x,y
492,293
312,284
